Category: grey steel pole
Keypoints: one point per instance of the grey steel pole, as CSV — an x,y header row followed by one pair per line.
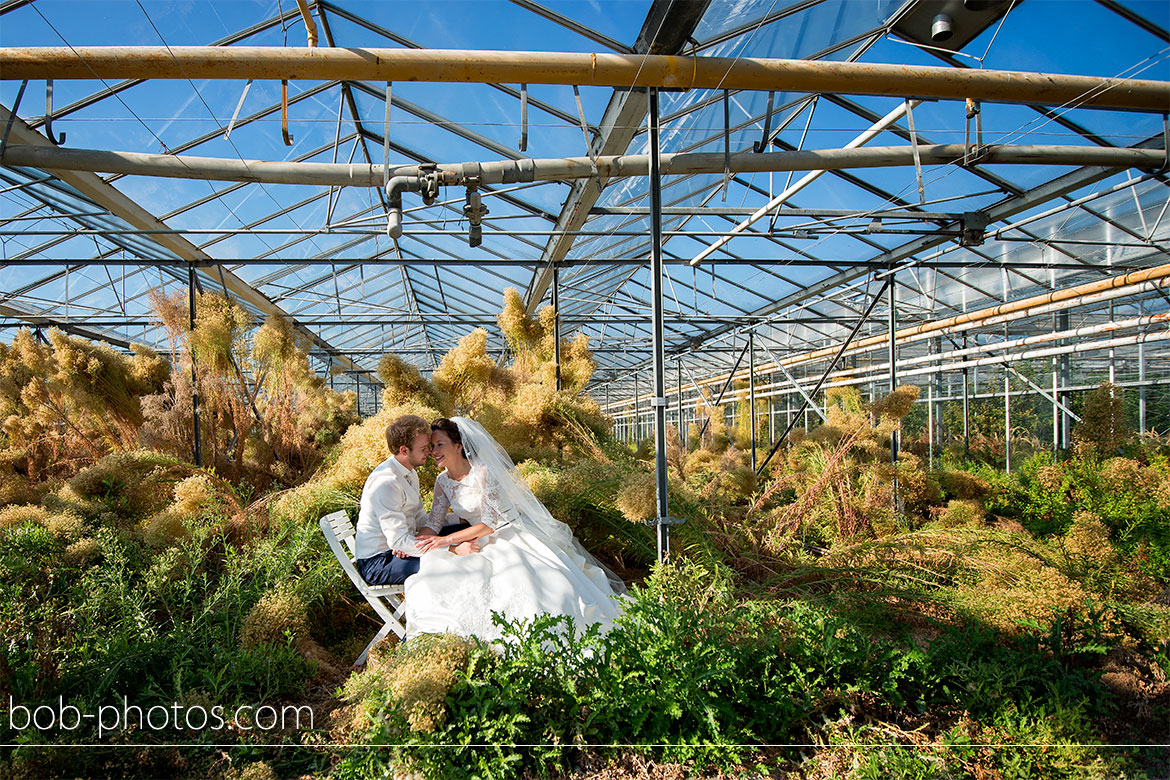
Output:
x,y
659,400
194,378
930,413
1142,388
752,391
966,407
682,431
1007,419
1055,408
893,372
556,303
637,413
1065,420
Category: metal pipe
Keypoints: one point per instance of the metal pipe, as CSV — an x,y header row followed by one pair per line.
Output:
x,y
310,25
559,169
394,189
1024,307
593,69
846,378
1142,281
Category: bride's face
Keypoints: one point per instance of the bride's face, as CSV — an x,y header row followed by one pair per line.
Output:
x,y
442,449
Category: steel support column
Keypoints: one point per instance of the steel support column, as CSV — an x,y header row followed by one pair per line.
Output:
x,y
198,450
658,403
1142,389
893,369
752,391
556,304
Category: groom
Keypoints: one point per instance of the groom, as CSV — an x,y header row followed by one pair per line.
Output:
x,y
391,513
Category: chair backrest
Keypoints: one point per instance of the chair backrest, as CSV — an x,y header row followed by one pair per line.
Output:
x,y
336,527
342,528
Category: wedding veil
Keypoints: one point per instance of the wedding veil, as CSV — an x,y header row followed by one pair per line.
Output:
x,y
520,506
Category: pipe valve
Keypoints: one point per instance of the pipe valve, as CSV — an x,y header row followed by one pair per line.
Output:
x,y
475,211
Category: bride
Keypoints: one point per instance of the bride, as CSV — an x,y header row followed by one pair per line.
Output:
x,y
528,563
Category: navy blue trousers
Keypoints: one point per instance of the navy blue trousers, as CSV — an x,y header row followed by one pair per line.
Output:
x,y
388,569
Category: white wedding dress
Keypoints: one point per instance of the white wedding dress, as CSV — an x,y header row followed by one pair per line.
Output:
x,y
528,566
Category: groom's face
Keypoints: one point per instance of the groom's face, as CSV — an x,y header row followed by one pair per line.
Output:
x,y
419,450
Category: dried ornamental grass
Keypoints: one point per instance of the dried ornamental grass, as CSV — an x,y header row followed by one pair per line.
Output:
x,y
467,374
166,528
962,513
1124,475
14,516
1051,477
361,449
83,552
637,498
404,384
963,484
258,770
194,493
522,332
220,326
1013,587
897,404
275,617
1088,540
67,526
418,674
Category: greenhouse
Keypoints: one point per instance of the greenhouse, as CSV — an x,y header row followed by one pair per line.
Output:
x,y
838,331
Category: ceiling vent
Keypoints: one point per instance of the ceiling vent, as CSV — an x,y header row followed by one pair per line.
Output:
x,y
948,24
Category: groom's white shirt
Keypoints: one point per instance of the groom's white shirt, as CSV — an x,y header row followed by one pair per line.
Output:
x,y
391,513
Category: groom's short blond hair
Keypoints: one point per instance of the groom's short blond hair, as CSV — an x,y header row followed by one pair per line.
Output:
x,y
403,431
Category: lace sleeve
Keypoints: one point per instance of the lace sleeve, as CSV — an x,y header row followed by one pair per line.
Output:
x,y
440,505
497,509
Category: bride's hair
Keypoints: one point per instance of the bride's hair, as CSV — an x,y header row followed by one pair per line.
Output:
x,y
448,426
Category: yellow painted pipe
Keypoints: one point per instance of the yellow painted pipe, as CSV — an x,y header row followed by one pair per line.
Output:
x,y
605,69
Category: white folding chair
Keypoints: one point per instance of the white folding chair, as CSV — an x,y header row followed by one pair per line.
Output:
x,y
385,599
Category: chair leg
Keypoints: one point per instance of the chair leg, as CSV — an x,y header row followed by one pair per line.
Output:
x,y
382,634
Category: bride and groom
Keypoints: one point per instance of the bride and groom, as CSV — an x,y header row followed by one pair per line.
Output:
x,y
505,553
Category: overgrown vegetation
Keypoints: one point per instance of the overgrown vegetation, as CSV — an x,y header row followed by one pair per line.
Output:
x,y
905,621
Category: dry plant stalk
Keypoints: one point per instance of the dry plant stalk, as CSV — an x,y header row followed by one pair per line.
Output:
x,y
794,513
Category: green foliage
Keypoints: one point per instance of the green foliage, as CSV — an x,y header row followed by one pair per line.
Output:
x,y
700,676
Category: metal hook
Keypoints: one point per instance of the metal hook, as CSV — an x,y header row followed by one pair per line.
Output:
x,y
12,117
53,139
524,117
288,139
762,144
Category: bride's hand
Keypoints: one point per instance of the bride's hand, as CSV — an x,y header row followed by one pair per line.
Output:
x,y
466,548
427,543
